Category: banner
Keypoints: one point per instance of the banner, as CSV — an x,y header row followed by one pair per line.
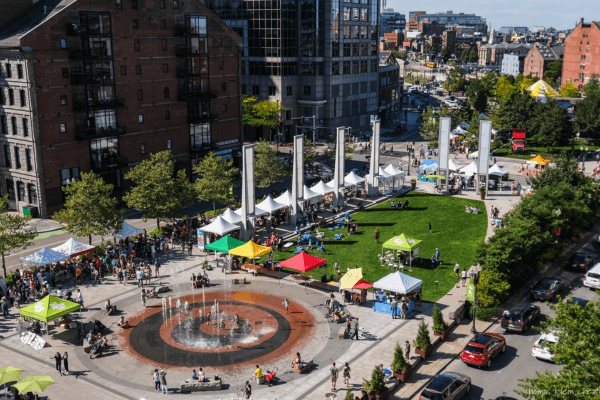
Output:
x,y
200,239
471,291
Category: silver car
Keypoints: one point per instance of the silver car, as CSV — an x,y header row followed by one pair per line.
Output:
x,y
447,386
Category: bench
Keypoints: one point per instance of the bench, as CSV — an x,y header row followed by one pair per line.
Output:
x,y
238,281
197,386
303,367
342,333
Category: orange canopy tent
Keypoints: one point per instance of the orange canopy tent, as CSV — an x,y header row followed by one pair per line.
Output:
x,y
539,160
303,262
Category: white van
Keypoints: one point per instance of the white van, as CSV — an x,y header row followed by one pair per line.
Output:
x,y
592,277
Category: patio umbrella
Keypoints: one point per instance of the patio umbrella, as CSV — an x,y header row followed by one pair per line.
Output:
x,y
34,384
303,262
351,278
9,374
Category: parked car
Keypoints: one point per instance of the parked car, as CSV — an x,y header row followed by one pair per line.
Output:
x,y
540,350
482,348
447,386
592,277
580,262
577,300
521,318
450,103
547,289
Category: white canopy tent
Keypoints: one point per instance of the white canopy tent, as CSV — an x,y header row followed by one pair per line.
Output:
x,y
269,205
453,166
476,154
73,247
285,199
257,212
332,182
128,230
397,174
231,216
470,169
459,130
353,179
309,194
220,227
44,256
497,170
384,181
399,283
321,189
453,136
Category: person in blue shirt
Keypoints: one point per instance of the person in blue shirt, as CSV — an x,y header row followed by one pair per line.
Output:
x,y
194,374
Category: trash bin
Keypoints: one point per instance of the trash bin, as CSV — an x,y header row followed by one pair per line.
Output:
x,y
30,210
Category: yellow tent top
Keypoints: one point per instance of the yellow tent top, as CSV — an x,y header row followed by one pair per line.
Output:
x,y
542,89
349,280
250,250
539,160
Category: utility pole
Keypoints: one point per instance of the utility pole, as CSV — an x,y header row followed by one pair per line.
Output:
x,y
314,129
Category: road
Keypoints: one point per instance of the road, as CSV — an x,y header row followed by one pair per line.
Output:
x,y
502,378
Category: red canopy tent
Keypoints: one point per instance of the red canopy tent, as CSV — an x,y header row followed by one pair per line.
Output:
x,y
303,262
362,285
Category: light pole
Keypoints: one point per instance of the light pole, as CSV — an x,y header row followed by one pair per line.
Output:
x,y
475,301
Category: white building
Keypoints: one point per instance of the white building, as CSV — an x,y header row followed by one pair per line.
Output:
x,y
512,64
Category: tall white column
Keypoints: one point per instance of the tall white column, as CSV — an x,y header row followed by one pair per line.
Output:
x,y
339,173
297,175
248,196
374,170
444,146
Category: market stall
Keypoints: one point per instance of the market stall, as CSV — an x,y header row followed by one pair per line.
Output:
x,y
497,170
44,256
303,263
74,248
127,231
223,245
397,175
402,247
404,288
427,166
219,226
453,166
231,217
269,205
250,250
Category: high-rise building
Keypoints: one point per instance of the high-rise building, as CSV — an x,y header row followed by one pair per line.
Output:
x,y
391,21
99,85
413,20
316,57
449,19
581,59
509,30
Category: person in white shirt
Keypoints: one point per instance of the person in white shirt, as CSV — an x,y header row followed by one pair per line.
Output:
x,y
140,277
59,291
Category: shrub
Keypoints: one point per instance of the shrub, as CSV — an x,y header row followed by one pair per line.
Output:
x,y
349,395
433,143
399,364
376,385
215,213
439,325
484,313
10,277
422,341
206,266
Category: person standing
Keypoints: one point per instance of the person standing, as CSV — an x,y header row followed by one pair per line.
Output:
x,y
456,269
66,363
403,309
346,374
4,305
163,382
394,309
407,351
247,390
437,256
79,298
286,304
464,277
430,228
139,274
355,330
334,375
58,359
156,378
144,298
157,268
376,235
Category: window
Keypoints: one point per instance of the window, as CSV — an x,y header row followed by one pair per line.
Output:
x,y
141,118
123,70
63,128
162,4
138,69
20,191
142,148
8,70
135,24
223,86
346,67
136,44
63,100
10,189
3,124
167,115
306,90
165,68
163,24
335,68
65,72
175,4
134,4
221,65
7,163
28,159
25,127
347,50
17,158
243,89
224,108
363,66
11,97
166,92
272,90
2,99
119,3
33,199
373,65
13,121
164,44
69,175
169,144
288,90
22,98
220,42
140,95
255,90
20,71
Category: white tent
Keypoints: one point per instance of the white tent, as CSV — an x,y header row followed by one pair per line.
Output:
x,y
128,230
44,256
309,194
220,227
321,188
453,166
285,199
73,247
257,212
353,179
459,130
497,170
231,216
476,154
269,205
331,183
453,136
469,169
397,174
398,282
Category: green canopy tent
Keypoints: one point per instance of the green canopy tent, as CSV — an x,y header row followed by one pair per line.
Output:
x,y
403,243
49,308
223,245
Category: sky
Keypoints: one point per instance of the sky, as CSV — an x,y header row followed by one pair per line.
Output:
x,y
559,14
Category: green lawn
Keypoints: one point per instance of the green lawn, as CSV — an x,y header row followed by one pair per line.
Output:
x,y
455,233
533,148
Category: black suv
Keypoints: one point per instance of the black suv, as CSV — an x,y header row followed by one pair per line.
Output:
x,y
547,289
520,319
447,386
580,262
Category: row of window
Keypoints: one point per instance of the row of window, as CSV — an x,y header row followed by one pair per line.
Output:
x,y
353,67
31,194
4,129
8,161
272,90
11,97
8,71
162,4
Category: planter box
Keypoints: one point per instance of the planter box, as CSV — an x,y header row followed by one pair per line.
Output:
x,y
413,186
425,353
382,396
443,335
482,196
404,376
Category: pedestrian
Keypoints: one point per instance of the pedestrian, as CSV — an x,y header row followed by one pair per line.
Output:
x,y
157,268
430,228
464,277
247,393
286,304
66,363
376,235
407,351
492,210
4,305
355,330
437,256
334,375
79,299
144,298
403,309
163,382
346,374
348,328
456,269
394,309
140,277
156,378
58,359
433,260
20,323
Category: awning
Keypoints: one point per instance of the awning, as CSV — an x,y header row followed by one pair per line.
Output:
x,y
303,262
269,205
459,130
220,227
453,166
250,250
44,256
398,282
231,216
128,230
351,278
353,179
321,189
497,170
469,169
402,242
224,244
49,308
74,248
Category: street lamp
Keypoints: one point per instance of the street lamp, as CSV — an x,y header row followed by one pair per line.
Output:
x,y
475,301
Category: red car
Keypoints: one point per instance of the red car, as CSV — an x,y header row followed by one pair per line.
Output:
x,y
482,348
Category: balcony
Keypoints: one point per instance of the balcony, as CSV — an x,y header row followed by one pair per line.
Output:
x,y
203,119
110,163
82,30
88,133
97,104
90,53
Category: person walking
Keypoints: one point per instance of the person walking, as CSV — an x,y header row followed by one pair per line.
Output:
x,y
163,382
376,235
355,330
346,374
144,298
407,351
334,375
464,277
157,268
247,393
456,269
66,363
286,304
430,227
156,378
139,275
58,359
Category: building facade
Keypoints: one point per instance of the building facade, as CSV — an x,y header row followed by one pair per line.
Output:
x,y
390,87
509,30
582,54
449,18
99,86
391,21
539,57
492,54
449,41
413,20
512,64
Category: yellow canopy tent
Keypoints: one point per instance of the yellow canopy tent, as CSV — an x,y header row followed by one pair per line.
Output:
x,y
349,280
250,250
539,160
542,89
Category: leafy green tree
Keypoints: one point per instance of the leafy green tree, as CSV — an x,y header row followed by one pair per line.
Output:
x,y
550,123
158,190
430,126
464,56
264,113
489,81
14,233
89,208
553,73
267,167
456,79
515,112
472,135
564,171
216,180
445,52
592,87
399,54
493,288
569,90
473,55
504,90
578,349
524,83
477,95
587,113
310,154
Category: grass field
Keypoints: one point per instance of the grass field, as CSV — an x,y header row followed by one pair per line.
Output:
x,y
455,233
533,148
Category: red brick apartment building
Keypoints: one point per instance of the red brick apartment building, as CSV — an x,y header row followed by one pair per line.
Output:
x,y
102,84
582,54
538,58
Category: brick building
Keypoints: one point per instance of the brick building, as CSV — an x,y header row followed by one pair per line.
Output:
x,y
97,85
390,87
428,28
539,57
582,54
413,20
449,41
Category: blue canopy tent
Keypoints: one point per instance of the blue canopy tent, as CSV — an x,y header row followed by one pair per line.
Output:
x,y
397,282
128,230
44,256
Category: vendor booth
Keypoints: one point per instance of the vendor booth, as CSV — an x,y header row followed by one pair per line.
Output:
x,y
127,231
269,205
219,226
223,245
73,248
250,250
397,175
231,217
44,256
49,308
404,288
470,169
427,167
303,263
497,170
402,247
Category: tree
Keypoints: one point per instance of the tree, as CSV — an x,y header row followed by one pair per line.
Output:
x,y
456,79
550,123
578,349
89,208
587,113
430,125
592,87
553,73
569,90
445,52
376,385
473,55
399,54
422,341
399,364
515,112
464,56
14,233
267,167
349,395
477,95
439,325
310,154
489,81
158,191
493,288
564,171
524,83
504,90
264,113
216,180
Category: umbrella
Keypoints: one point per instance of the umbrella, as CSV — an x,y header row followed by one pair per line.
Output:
x,y
362,285
436,176
9,374
303,262
34,384
351,278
